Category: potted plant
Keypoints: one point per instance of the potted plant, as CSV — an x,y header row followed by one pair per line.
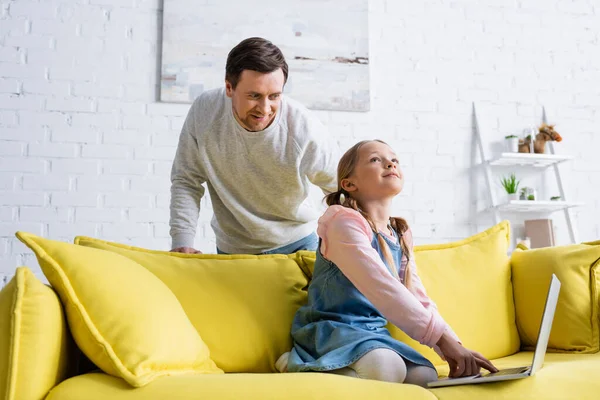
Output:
x,y
510,185
555,198
512,143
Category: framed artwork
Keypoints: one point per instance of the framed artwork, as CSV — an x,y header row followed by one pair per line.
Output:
x,y
325,43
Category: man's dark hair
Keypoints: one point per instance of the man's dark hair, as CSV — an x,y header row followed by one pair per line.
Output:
x,y
256,54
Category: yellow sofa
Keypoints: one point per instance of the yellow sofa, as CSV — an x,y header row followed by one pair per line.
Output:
x,y
240,308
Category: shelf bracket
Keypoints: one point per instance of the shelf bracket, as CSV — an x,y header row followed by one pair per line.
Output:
x,y
486,165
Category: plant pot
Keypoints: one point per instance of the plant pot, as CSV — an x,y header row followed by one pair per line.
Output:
x,y
512,145
513,196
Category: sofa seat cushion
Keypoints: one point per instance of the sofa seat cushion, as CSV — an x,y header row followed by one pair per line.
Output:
x,y
470,281
563,376
242,305
123,318
288,386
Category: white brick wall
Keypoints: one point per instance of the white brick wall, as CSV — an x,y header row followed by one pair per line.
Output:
x,y
85,149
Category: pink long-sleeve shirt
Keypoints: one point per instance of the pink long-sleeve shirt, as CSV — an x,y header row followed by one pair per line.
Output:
x,y
346,241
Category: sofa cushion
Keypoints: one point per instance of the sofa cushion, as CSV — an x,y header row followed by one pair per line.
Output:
x,y
242,305
34,338
575,326
306,261
563,376
288,386
122,317
470,281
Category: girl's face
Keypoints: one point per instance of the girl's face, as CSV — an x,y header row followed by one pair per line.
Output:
x,y
376,175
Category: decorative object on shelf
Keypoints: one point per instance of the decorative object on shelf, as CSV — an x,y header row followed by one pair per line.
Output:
x,y
546,133
524,241
512,143
526,144
541,232
555,198
527,193
510,184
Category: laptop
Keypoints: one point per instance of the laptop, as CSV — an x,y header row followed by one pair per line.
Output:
x,y
538,355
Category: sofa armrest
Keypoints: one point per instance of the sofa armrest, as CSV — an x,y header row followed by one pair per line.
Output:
x,y
576,321
36,349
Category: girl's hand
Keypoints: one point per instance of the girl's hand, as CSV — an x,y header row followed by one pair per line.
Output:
x,y
462,361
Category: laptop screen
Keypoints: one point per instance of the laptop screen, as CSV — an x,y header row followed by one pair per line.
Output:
x,y
546,325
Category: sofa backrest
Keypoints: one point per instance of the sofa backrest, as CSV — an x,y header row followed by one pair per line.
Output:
x,y
243,305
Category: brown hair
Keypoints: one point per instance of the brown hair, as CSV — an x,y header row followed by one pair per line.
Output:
x,y
255,54
345,169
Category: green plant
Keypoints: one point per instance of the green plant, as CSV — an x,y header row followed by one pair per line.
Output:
x,y
510,137
531,197
510,184
554,198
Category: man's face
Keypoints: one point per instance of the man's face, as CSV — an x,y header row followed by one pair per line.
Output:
x,y
256,98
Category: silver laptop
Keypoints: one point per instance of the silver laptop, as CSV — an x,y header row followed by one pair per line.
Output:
x,y
538,355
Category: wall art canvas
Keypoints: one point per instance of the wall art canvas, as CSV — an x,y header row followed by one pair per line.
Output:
x,y
325,43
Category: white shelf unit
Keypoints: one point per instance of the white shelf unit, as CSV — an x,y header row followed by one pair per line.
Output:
x,y
532,160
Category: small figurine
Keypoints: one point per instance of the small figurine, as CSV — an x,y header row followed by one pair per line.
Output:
x,y
546,134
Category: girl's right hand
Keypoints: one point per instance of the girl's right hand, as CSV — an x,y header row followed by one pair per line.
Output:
x,y
462,361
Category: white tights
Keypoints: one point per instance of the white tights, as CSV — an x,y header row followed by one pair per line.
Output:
x,y
382,365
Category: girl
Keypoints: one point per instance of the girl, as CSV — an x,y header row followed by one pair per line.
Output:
x,y
364,275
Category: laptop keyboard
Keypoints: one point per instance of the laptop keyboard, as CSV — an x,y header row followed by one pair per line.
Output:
x,y
508,371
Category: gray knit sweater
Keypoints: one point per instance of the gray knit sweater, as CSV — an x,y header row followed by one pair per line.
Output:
x,y
258,181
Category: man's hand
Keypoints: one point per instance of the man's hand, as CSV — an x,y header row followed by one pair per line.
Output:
x,y
186,250
462,361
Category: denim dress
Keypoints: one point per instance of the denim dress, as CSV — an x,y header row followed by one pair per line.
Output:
x,y
338,325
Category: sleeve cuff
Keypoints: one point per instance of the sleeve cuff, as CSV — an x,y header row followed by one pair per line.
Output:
x,y
437,327
182,240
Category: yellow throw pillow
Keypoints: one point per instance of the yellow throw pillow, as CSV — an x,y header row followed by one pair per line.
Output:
x,y
306,261
34,338
242,305
123,318
575,326
470,281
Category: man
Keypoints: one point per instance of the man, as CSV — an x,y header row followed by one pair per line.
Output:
x,y
257,151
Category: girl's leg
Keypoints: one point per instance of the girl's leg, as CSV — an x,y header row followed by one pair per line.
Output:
x,y
419,374
379,364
